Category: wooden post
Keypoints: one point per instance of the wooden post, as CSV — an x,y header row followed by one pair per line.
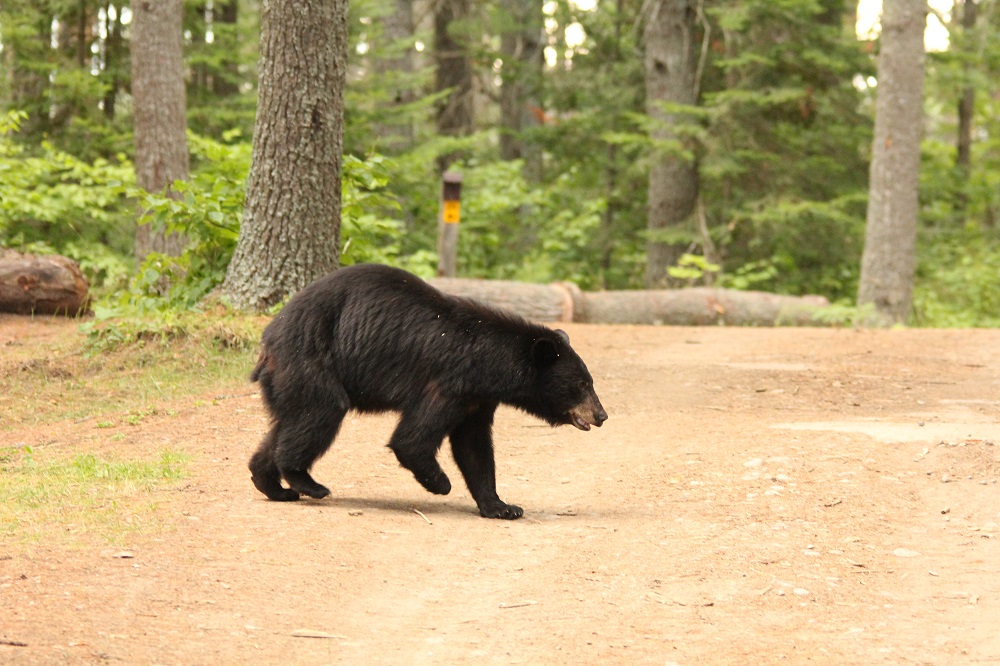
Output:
x,y
448,218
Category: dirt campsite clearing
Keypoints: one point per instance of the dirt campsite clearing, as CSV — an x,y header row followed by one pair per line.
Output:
x,y
757,495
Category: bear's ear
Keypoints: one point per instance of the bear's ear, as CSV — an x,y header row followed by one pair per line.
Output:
x,y
562,334
544,352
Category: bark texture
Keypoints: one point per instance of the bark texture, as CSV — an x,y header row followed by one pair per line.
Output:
x,y
670,63
114,54
967,103
160,99
47,284
521,36
538,302
455,113
397,65
889,258
699,306
290,233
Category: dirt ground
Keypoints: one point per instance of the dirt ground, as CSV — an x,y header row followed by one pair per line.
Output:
x,y
758,495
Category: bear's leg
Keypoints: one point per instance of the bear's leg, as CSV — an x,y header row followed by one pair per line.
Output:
x,y
416,441
472,446
264,471
304,439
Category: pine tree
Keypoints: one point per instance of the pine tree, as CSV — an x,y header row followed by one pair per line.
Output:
x,y
290,232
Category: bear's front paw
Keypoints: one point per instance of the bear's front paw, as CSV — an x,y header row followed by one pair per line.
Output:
x,y
501,510
439,484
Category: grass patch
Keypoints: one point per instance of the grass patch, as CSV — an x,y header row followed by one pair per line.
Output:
x,y
119,370
54,497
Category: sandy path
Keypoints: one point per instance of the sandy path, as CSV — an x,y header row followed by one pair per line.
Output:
x,y
757,495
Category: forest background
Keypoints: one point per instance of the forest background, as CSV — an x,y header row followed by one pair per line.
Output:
x,y
543,108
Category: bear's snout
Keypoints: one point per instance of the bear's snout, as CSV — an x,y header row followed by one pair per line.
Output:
x,y
587,414
600,416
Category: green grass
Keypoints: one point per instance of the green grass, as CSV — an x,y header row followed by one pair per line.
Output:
x,y
118,371
109,375
50,497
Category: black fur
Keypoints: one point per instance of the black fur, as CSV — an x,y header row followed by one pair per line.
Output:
x,y
374,338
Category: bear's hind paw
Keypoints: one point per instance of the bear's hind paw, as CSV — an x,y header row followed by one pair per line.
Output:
x,y
502,511
286,495
303,483
270,486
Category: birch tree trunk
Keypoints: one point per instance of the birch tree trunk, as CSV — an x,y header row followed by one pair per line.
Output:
x,y
290,233
160,122
889,259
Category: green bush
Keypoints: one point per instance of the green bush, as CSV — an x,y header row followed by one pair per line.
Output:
x,y
956,284
52,202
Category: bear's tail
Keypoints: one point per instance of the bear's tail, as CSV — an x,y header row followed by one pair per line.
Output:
x,y
262,362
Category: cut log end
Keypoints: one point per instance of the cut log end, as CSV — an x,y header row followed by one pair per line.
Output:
x,y
42,285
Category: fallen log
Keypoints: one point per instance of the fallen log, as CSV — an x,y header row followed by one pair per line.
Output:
x,y
537,302
695,306
701,306
42,284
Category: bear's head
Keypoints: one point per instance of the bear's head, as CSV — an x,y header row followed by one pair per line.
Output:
x,y
564,390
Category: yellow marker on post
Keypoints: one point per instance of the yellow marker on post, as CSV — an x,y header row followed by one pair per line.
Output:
x,y
451,213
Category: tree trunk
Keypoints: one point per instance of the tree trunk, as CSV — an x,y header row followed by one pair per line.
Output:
x,y
397,64
47,284
113,56
670,63
226,82
454,72
611,195
82,37
889,258
967,103
290,234
159,98
520,107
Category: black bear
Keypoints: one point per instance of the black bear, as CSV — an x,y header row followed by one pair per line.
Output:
x,y
374,338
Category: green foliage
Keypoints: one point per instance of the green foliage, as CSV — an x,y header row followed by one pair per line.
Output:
x,y
957,282
207,211
54,202
596,143
842,315
692,269
781,135
367,234
753,275
222,69
958,242
784,171
513,230
808,246
115,329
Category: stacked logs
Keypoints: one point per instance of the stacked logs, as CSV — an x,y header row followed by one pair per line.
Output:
x,y
52,284
695,306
